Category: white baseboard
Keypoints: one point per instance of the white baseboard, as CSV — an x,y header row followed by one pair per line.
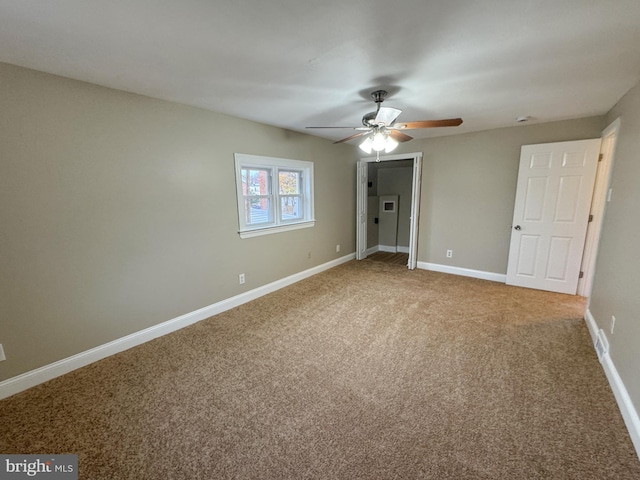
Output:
x,y
386,248
371,250
591,325
40,375
628,411
465,272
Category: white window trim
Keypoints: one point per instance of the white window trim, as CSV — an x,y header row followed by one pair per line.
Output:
x,y
308,220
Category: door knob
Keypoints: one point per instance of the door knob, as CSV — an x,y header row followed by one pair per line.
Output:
x,y
518,227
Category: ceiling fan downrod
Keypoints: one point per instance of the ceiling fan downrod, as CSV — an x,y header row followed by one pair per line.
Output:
x,y
379,96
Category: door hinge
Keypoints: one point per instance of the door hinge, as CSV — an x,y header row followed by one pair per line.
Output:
x,y
600,157
581,275
590,218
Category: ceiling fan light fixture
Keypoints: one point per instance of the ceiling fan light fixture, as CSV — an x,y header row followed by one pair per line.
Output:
x,y
390,145
366,145
379,141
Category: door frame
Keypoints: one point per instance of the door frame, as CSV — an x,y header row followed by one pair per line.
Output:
x,y
362,190
599,202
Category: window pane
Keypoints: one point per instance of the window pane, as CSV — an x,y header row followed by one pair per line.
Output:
x,y
274,194
255,181
288,182
290,208
257,211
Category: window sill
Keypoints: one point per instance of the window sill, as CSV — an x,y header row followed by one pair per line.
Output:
x,y
256,232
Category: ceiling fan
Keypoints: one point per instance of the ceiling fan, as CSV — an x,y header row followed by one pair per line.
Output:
x,y
383,132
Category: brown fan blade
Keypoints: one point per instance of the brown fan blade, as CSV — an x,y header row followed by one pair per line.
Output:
x,y
355,135
449,122
399,136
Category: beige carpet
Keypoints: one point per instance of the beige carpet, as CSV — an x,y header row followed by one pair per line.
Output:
x,y
367,371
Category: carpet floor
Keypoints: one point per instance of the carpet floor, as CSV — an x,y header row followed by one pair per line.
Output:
x,y
365,371
387,257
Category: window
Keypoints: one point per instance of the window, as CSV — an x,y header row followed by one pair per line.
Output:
x,y
274,194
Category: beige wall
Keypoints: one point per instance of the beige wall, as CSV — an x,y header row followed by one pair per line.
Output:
x,y
118,212
616,284
469,186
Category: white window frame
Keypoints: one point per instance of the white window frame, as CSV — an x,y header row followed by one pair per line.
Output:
x,y
275,165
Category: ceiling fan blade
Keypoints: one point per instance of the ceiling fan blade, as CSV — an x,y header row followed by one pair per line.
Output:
x,y
449,122
352,128
386,115
399,136
355,135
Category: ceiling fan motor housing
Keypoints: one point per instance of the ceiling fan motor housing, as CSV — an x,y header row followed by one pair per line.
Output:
x,y
368,118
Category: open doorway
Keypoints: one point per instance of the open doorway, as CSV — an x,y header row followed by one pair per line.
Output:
x,y
388,205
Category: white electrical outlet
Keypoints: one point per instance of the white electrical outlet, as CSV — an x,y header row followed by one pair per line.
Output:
x,y
613,323
241,278
449,253
2,357
337,247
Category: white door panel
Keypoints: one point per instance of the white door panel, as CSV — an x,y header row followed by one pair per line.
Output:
x,y
415,213
361,205
534,198
553,198
527,255
559,250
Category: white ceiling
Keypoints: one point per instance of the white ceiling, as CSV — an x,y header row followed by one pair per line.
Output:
x,y
297,63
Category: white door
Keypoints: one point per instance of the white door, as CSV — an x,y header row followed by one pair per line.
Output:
x,y
415,214
553,198
361,220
